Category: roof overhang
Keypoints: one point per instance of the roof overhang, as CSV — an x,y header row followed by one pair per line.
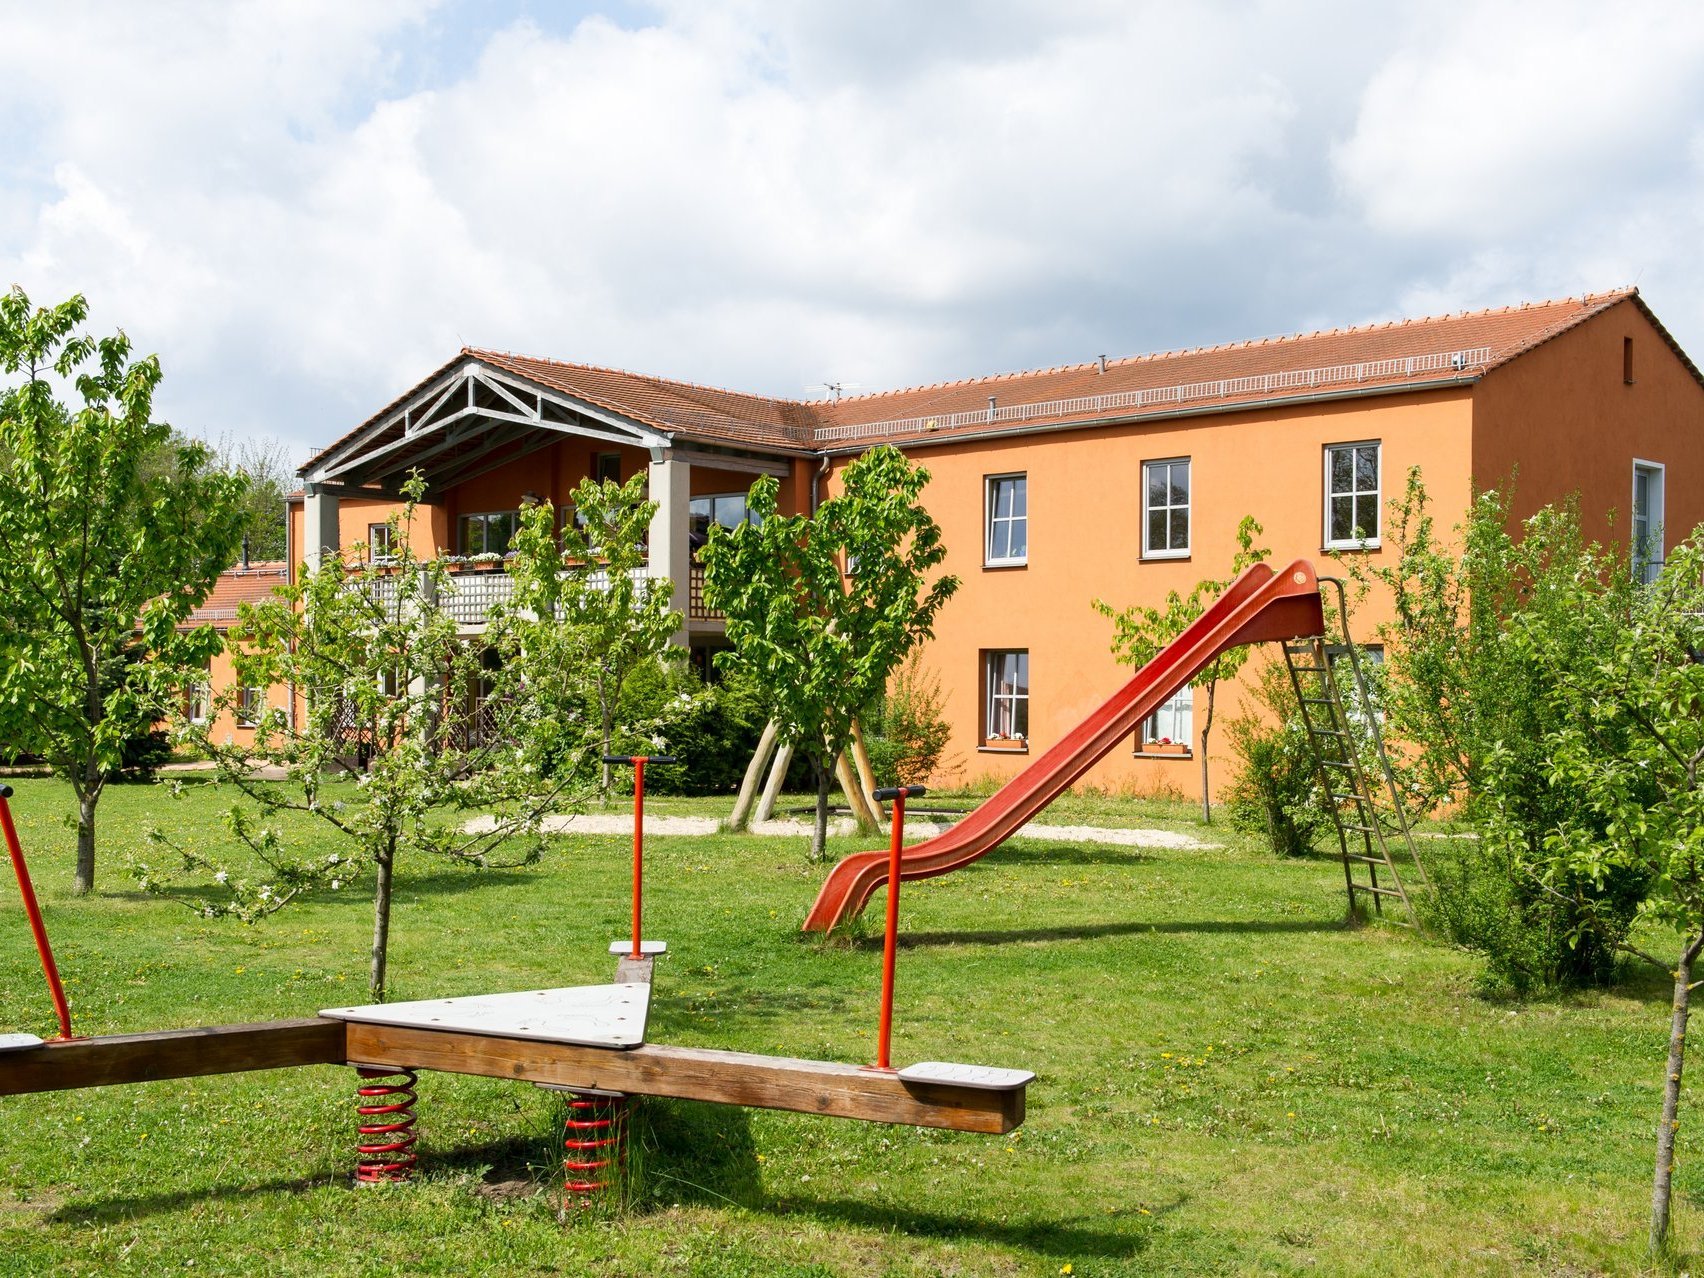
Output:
x,y
462,422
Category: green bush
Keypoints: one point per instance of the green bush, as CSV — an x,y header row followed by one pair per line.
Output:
x,y
1274,787
910,730
712,728
1476,708
885,755
1532,940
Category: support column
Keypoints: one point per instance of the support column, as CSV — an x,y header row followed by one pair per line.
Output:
x,y
319,527
671,554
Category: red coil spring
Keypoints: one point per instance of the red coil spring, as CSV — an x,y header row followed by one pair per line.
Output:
x,y
386,1147
595,1137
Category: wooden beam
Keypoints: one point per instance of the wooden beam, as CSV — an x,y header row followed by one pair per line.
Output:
x,y
692,1073
187,1053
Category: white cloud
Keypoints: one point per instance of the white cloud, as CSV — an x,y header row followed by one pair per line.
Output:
x,y
306,207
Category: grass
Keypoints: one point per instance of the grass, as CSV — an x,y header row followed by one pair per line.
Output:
x,y
1230,1081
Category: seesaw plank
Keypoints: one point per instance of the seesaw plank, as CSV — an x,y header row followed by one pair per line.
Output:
x,y
186,1053
693,1073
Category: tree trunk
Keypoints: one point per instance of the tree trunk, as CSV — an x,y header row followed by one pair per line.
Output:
x,y
1206,786
819,830
753,775
608,713
87,798
381,927
1661,1188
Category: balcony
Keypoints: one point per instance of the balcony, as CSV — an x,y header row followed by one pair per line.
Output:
x,y
696,608
474,589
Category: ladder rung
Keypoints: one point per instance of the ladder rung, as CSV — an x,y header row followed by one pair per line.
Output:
x,y
1352,798
1362,829
1378,891
1307,669
1338,763
1329,732
1319,701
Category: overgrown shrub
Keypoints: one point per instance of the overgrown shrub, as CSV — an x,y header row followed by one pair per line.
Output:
x,y
1482,899
142,755
1474,710
911,730
711,728
1274,787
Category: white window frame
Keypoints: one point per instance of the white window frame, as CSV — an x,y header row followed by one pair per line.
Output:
x,y
997,706
1354,494
251,707
1175,713
380,547
1646,567
1149,550
198,696
989,558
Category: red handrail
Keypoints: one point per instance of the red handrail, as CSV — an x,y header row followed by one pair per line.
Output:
x,y
638,761
27,891
890,939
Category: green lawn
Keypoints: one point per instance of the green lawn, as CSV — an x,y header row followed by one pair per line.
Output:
x,y
1229,1080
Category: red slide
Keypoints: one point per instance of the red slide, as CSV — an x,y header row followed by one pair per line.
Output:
x,y
1261,604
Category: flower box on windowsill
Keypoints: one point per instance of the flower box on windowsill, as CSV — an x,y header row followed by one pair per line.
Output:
x,y
1006,745
1164,750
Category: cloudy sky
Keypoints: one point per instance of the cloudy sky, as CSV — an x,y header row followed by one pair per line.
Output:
x,y
305,205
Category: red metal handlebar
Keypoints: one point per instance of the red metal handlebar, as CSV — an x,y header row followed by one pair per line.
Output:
x,y
890,944
27,890
639,761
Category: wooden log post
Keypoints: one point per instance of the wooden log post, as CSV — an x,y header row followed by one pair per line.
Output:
x,y
772,789
741,817
862,811
866,774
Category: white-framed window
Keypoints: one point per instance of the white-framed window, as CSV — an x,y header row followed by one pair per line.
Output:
x,y
1007,504
1173,722
379,546
1352,495
1165,509
1647,519
198,695
251,704
1005,698
489,533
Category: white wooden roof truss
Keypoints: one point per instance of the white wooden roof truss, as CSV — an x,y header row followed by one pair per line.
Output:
x,y
471,404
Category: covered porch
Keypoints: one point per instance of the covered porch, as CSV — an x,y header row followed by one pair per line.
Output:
x,y
488,442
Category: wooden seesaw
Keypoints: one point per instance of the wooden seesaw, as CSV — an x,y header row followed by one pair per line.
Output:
x,y
588,1041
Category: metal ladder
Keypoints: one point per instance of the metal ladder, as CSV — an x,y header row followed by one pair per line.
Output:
x,y
1366,811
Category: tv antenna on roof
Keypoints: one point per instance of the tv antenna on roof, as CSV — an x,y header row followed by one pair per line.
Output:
x,y
834,389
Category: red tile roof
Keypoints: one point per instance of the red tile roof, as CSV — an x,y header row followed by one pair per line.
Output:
x,y
239,586
1388,357
1394,356
698,411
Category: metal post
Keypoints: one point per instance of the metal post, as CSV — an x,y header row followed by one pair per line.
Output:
x,y
890,943
638,761
27,891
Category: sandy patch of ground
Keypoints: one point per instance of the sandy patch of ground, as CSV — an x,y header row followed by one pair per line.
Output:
x,y
665,826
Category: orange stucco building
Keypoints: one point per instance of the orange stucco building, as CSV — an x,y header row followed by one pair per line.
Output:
x,y
1113,479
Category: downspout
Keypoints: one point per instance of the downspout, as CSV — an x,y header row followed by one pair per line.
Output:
x,y
821,470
